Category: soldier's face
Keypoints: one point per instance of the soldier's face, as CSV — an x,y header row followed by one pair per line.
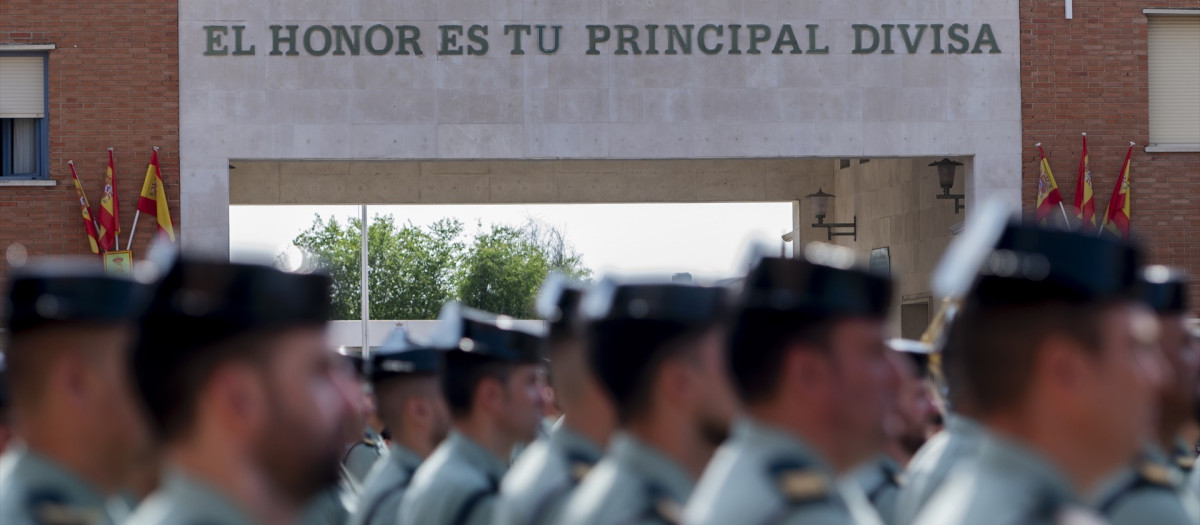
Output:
x,y
911,409
865,378
1178,397
1119,390
717,404
310,399
523,403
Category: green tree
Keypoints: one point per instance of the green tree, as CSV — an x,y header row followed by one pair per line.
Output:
x,y
414,270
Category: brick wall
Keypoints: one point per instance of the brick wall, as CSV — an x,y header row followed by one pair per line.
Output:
x,y
1090,75
114,82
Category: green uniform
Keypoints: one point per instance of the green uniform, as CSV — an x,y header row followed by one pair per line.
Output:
x,y
457,485
1193,485
881,480
929,468
361,456
539,484
385,487
1150,492
1007,483
634,484
184,500
333,505
34,490
764,475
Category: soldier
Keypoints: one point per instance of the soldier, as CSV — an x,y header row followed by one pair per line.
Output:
x,y
810,365
658,349
244,392
543,479
1154,490
1053,346
5,424
80,426
368,446
908,417
406,378
491,388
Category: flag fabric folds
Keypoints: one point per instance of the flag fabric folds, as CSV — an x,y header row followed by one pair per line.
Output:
x,y
109,216
1118,214
153,200
1048,195
1085,204
89,225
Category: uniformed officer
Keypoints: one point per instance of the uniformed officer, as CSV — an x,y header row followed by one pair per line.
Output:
x,y
249,400
491,387
78,422
658,349
810,364
547,473
5,424
367,446
406,378
908,417
1154,490
1060,360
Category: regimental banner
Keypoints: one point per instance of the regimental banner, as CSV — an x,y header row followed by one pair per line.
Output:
x,y
381,39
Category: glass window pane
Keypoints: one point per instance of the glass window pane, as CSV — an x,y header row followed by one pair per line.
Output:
x,y
24,145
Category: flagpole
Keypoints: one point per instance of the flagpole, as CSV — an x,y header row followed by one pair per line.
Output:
x,y
133,230
116,205
1063,209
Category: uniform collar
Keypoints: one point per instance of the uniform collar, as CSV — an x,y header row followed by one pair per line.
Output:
x,y
962,425
576,446
762,436
651,465
1002,454
467,450
403,457
52,475
206,501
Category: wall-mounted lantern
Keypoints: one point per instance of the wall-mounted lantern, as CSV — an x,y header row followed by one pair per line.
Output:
x,y
945,169
820,201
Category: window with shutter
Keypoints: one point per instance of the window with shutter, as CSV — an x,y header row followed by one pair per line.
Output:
x,y
23,115
1174,64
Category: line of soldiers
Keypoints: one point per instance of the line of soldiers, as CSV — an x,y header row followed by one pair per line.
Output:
x,y
204,393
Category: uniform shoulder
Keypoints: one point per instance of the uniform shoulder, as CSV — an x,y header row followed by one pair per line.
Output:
x,y
607,496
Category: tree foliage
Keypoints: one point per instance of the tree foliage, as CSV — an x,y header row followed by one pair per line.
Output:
x,y
413,271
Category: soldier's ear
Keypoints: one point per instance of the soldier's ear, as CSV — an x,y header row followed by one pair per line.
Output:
x,y
489,395
236,395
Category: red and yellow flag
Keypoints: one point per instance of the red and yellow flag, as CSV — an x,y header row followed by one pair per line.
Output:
x,y
1118,214
1048,195
89,225
153,200
109,215
1085,205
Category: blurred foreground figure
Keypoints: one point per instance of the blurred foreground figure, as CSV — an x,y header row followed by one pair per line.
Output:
x,y
1059,359
6,434
367,446
406,378
491,386
910,412
79,425
809,362
1155,488
247,397
658,348
545,476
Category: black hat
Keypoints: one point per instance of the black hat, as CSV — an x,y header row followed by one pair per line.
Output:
x,y
656,301
1032,264
559,299
356,360
824,282
484,334
1164,289
69,292
401,356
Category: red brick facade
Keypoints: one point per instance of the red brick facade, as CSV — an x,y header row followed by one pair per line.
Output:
x,y
114,82
1090,75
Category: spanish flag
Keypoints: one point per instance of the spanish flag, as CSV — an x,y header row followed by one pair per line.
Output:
x,y
108,216
1085,205
1048,195
1116,218
89,225
154,198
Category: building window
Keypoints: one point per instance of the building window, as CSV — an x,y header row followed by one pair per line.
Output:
x,y
24,130
1173,47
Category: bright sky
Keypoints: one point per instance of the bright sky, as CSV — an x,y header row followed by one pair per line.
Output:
x,y
707,240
